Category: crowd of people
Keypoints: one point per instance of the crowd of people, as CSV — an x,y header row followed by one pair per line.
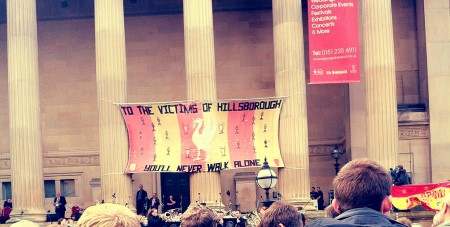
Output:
x,y
145,204
369,205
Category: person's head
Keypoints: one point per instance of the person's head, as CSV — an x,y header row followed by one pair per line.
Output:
x,y
108,215
154,195
405,221
24,223
400,167
196,216
237,213
330,212
58,194
318,188
281,214
313,188
154,212
362,183
170,196
220,214
141,187
9,200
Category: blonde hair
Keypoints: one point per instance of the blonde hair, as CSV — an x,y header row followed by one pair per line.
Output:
x,y
25,223
108,215
199,217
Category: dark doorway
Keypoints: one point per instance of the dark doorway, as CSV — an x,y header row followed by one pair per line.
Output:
x,y
176,184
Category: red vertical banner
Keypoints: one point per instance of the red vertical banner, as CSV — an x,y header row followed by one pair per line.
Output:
x,y
241,136
333,41
139,129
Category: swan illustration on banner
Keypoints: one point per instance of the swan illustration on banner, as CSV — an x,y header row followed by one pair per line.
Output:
x,y
203,140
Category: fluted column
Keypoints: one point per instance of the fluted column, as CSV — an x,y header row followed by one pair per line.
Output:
x,y
201,80
293,181
437,76
379,70
24,114
112,87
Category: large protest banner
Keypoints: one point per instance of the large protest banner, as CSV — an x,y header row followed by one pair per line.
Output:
x,y
430,196
202,136
333,41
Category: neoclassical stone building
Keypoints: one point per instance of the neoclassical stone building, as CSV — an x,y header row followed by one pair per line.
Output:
x,y
63,65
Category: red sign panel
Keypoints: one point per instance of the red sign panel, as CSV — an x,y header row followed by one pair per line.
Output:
x,y
333,41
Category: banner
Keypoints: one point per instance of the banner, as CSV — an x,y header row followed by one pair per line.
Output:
x,y
202,136
430,196
333,41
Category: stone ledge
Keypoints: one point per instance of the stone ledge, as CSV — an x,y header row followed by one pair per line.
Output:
x,y
60,160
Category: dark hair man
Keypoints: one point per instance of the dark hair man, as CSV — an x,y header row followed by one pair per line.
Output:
x,y
361,196
313,193
320,200
281,214
241,222
8,203
154,202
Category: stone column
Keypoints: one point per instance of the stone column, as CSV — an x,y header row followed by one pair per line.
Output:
x,y
201,80
112,87
379,71
436,51
293,181
24,113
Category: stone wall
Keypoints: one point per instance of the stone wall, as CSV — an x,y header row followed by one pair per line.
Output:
x,y
156,72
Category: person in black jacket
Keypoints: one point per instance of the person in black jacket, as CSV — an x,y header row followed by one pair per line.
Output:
x,y
141,201
402,177
8,203
362,192
60,205
153,202
241,222
320,200
154,220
